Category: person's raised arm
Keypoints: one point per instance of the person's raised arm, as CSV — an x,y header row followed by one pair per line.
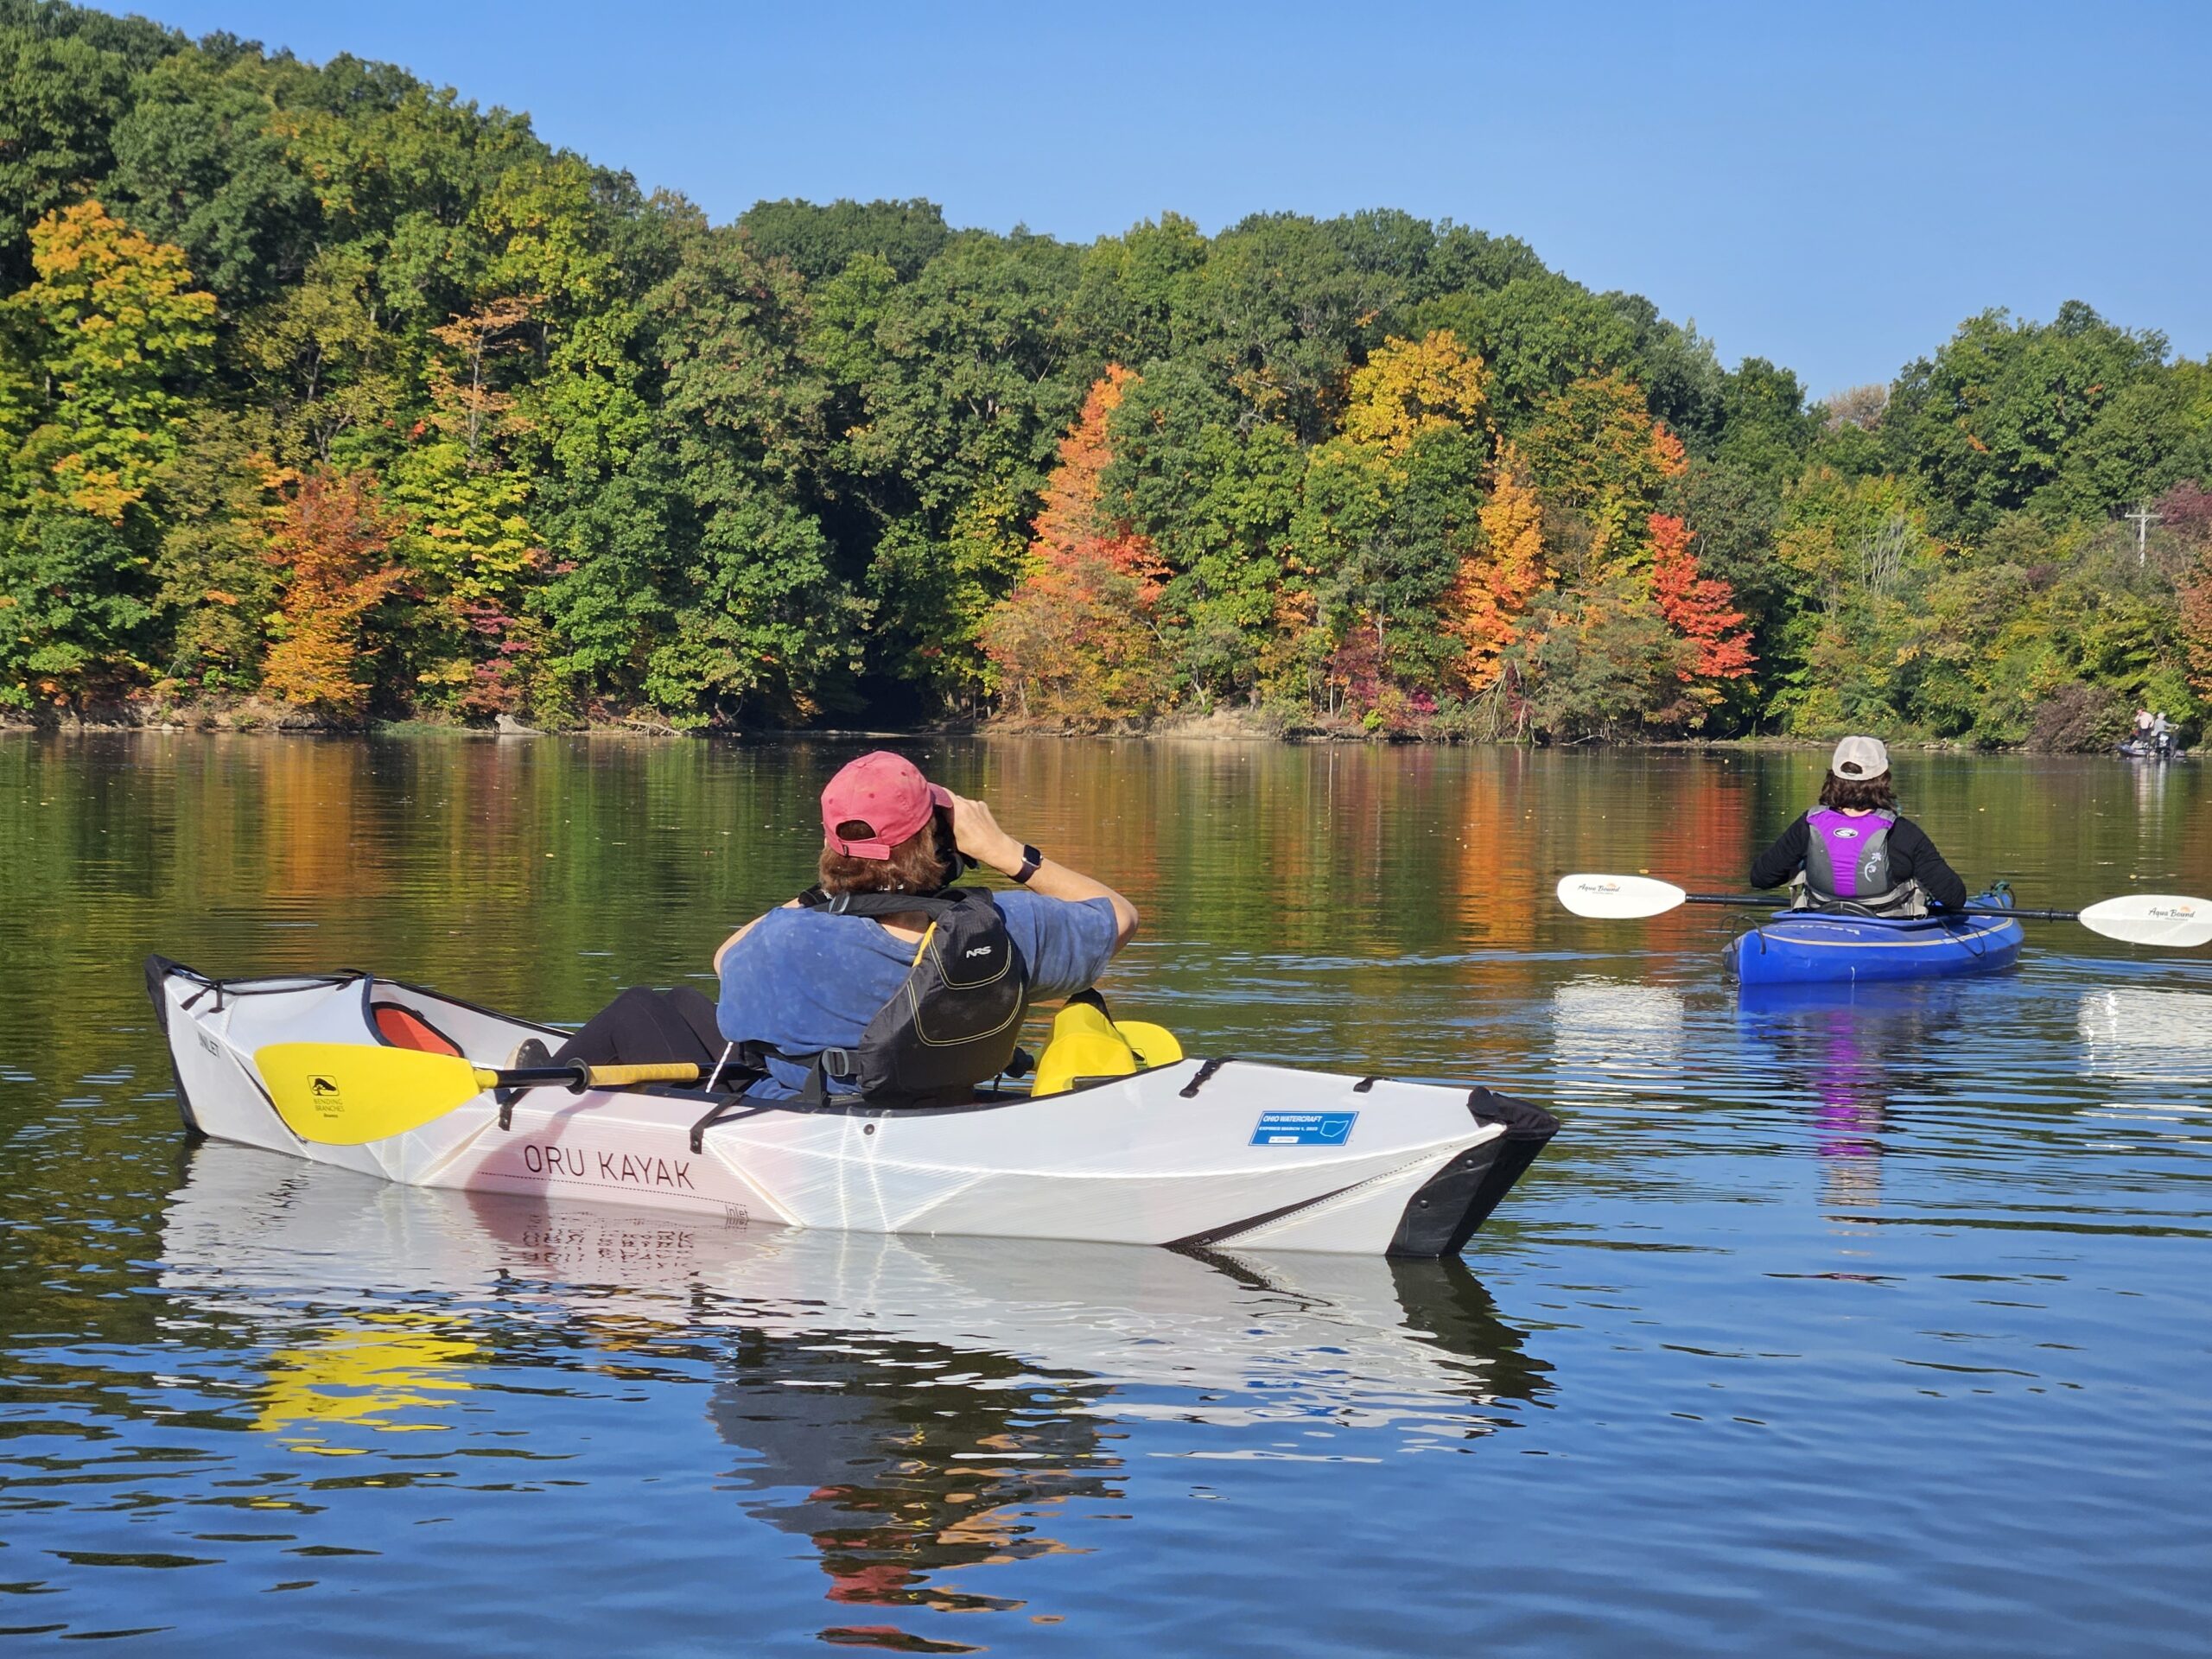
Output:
x,y
978,836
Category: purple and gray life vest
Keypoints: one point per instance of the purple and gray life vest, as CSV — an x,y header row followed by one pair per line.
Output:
x,y
1848,858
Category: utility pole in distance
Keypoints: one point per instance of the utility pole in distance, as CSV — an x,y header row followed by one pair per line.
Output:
x,y
2142,518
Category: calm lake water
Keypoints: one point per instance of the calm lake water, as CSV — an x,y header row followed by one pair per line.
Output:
x,y
1864,1326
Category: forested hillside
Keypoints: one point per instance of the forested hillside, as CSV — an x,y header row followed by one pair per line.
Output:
x,y
325,388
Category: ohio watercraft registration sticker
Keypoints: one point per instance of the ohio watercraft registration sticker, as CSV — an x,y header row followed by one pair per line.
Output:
x,y
1303,1128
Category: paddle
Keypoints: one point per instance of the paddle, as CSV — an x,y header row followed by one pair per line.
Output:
x,y
344,1094
2158,918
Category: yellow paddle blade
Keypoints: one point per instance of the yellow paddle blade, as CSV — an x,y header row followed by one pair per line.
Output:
x,y
1155,1044
1084,1044
344,1094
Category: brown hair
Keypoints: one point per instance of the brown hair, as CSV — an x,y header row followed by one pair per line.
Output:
x,y
1854,794
916,864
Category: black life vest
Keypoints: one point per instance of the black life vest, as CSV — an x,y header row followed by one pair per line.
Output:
x,y
952,1026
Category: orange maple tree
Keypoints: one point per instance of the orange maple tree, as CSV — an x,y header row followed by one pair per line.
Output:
x,y
1075,641
332,538
1702,609
1494,586
2196,629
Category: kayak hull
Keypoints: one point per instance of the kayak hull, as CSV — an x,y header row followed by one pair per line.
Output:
x,y
1813,948
1217,1154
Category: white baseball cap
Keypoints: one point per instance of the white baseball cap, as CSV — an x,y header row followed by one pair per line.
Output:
x,y
1859,756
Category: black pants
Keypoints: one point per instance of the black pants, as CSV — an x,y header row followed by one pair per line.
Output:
x,y
643,1027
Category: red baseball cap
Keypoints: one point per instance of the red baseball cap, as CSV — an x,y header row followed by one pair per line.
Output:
x,y
885,791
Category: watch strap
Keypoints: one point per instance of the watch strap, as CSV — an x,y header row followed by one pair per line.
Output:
x,y
1032,862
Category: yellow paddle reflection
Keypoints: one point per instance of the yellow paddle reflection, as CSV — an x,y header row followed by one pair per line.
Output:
x,y
373,1376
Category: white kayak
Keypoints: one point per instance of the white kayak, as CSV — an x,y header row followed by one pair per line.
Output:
x,y
1203,1153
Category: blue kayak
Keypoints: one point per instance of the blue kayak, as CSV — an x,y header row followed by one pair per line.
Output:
x,y
1809,947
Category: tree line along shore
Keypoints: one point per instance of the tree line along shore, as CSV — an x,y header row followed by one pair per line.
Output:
x,y
328,396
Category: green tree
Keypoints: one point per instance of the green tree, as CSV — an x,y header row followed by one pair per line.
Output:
x,y
214,585
1987,422
199,164
818,241
66,75
1538,334
1277,315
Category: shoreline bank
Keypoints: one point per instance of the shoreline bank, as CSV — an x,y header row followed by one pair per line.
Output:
x,y
252,717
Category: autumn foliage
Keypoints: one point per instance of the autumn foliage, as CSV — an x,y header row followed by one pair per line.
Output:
x,y
332,539
1485,605
1700,609
850,461
1074,643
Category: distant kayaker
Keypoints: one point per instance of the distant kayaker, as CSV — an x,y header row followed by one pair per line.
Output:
x,y
1854,848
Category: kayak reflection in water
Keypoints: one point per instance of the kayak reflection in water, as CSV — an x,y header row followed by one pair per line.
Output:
x,y
907,1458
1854,1051
1854,851
829,994
898,1484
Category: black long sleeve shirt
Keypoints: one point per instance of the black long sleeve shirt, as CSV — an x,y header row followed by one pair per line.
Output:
x,y
1913,857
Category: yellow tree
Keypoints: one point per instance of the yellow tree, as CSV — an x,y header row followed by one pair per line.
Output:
x,y
87,423
1409,389
112,315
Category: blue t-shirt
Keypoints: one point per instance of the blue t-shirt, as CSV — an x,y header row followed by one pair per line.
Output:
x,y
802,980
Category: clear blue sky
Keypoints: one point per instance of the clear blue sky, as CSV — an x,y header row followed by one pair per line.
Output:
x,y
1833,187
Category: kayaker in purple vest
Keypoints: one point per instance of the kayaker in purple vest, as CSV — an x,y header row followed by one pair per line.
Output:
x,y
1854,848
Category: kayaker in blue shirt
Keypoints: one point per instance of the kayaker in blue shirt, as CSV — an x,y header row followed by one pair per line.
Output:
x,y
805,980
1854,848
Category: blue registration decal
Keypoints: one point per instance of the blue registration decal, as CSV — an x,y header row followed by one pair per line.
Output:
x,y
1303,1128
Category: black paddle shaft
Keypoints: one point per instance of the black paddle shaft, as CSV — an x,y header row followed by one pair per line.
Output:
x,y
1770,899
572,1075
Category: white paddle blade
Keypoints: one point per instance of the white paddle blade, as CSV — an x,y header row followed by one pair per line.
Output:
x,y
2165,918
1619,898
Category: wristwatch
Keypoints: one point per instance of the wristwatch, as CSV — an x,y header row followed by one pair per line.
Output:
x,y
1032,860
